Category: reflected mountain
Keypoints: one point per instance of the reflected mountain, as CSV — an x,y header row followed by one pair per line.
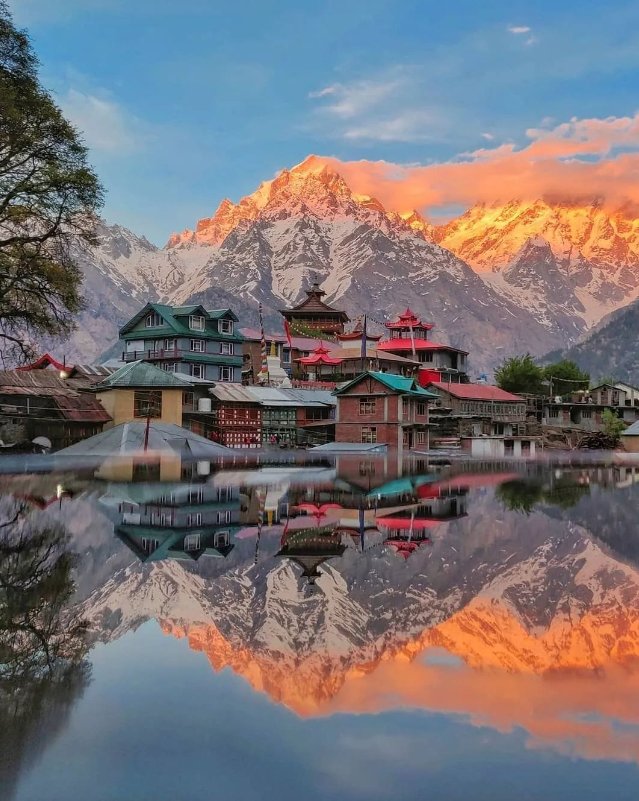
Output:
x,y
511,598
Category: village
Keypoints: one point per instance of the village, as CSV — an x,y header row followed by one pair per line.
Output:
x,y
322,382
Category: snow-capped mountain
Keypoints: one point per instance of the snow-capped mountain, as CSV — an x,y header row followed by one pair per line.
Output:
x,y
308,223
500,279
587,252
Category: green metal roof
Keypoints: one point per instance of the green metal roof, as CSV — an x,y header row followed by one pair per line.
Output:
x,y
143,374
171,315
399,383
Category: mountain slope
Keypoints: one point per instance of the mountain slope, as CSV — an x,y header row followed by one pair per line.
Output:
x,y
307,223
611,350
595,252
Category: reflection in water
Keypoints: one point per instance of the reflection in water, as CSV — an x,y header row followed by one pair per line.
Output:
x,y
42,665
509,598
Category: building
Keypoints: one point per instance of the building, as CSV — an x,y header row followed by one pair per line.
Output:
x,y
409,336
186,339
50,405
288,352
328,364
476,409
178,521
140,390
314,315
311,547
232,415
584,410
384,409
630,438
248,417
500,447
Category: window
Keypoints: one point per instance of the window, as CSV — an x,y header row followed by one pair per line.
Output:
x,y
170,367
421,407
196,322
194,519
147,403
196,370
225,326
422,437
426,356
227,348
198,345
169,344
586,413
367,405
222,539
192,542
226,373
286,355
223,494
196,495
553,412
224,517
188,399
149,545
153,320
369,434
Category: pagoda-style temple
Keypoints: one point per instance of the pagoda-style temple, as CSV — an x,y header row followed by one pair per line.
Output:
x,y
408,335
311,547
314,315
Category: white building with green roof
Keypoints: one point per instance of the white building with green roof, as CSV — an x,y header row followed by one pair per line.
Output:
x,y
188,340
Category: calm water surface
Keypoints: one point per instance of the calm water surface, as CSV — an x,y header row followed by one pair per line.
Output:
x,y
358,631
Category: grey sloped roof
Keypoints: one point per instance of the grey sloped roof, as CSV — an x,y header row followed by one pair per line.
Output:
x,y
128,438
143,374
632,431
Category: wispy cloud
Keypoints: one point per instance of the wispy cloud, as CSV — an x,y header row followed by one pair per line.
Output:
x,y
383,109
488,136
519,29
104,124
327,90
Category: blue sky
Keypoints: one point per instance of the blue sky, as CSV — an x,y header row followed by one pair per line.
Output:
x,y
185,103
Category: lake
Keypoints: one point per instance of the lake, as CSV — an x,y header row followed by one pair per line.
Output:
x,y
360,628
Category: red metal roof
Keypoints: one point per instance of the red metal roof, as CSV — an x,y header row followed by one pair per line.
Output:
x,y
476,392
420,344
319,356
407,320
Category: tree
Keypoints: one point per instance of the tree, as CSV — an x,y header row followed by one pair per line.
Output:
x,y
612,425
48,199
565,376
520,374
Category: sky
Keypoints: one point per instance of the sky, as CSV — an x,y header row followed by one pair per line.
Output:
x,y
424,104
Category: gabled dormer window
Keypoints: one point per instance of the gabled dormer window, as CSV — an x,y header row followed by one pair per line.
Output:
x,y
153,320
226,326
196,322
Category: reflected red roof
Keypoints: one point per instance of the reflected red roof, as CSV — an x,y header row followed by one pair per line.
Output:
x,y
476,392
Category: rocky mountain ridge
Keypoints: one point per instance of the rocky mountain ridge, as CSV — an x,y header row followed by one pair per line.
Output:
x,y
497,280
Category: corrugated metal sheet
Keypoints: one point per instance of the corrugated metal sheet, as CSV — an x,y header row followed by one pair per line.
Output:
x,y
82,409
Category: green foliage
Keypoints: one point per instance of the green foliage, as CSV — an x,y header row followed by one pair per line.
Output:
x,y
520,374
522,496
605,379
612,425
566,377
48,200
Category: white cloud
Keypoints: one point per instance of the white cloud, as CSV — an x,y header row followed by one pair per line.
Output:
x,y
519,29
104,124
383,109
488,136
327,90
